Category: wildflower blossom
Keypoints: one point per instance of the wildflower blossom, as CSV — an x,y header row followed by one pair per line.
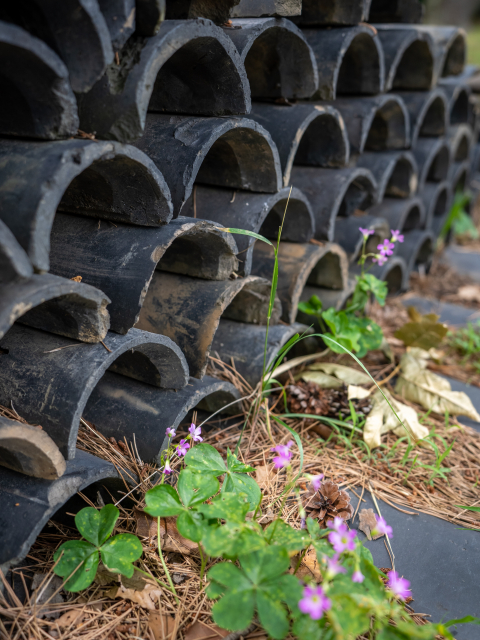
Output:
x,y
171,433
167,469
333,566
399,586
284,455
366,232
397,236
382,528
314,602
182,448
337,524
342,540
317,481
386,248
381,259
358,576
195,433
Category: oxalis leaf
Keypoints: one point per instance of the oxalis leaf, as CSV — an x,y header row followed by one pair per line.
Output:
x,y
78,559
204,458
257,585
194,488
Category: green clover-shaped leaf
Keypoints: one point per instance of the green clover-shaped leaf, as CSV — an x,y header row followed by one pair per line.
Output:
x,y
253,587
78,563
120,552
96,526
78,559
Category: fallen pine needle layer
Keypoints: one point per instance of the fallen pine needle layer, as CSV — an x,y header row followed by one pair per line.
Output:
x,y
390,471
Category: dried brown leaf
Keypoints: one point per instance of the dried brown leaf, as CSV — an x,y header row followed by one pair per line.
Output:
x,y
70,618
367,523
201,631
265,476
147,598
161,626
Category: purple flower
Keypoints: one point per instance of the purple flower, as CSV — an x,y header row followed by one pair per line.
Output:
x,y
337,524
167,469
171,433
182,448
358,577
386,249
342,540
383,528
381,259
333,566
314,602
366,232
397,236
284,455
195,433
399,586
317,482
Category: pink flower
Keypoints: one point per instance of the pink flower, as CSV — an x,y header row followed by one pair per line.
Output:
x,y
342,540
314,602
397,236
399,586
317,482
386,249
284,455
333,566
366,232
358,577
381,259
195,433
171,433
182,448
337,524
383,528
167,469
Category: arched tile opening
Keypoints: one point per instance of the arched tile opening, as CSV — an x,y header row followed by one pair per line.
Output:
x,y
305,134
37,99
258,212
298,265
188,310
278,60
120,407
334,193
178,70
395,172
49,378
236,153
98,179
121,260
349,61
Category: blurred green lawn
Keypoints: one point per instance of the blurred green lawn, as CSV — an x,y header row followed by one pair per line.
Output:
x,y
473,44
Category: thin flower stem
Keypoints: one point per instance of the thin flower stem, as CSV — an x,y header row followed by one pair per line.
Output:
x,y
162,584
164,565
203,558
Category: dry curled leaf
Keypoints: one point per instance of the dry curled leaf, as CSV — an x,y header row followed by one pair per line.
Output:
x,y
71,618
265,476
161,626
147,598
367,523
469,292
309,567
348,375
200,630
171,539
423,332
433,392
77,279
382,419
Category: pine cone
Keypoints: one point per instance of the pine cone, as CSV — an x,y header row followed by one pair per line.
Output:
x,y
308,397
327,503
